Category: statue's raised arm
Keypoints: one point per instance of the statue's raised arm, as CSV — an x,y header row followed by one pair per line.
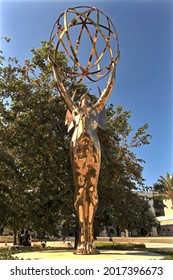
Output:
x,y
104,95
67,99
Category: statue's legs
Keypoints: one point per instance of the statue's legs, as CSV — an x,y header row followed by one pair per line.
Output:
x,y
85,211
86,166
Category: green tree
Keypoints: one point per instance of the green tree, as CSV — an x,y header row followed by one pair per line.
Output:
x,y
164,187
36,177
145,218
121,170
167,183
33,134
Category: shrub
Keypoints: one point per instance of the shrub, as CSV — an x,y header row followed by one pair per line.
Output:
x,y
169,257
7,255
119,246
4,238
36,246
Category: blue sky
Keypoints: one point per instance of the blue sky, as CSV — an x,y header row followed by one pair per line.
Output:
x,y
144,73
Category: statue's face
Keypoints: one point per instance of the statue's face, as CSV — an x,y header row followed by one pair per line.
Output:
x,y
85,101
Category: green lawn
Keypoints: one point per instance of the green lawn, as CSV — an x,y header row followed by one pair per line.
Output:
x,y
167,253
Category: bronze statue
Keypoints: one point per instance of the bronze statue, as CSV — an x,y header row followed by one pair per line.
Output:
x,y
84,118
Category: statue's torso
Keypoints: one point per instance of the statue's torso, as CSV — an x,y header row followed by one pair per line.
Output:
x,y
85,148
85,122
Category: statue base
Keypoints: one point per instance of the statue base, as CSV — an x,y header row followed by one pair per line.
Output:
x,y
83,252
86,248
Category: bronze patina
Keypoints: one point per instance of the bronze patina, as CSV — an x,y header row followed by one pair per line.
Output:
x,y
84,117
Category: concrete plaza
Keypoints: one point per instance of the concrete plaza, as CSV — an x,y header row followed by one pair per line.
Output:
x,y
67,254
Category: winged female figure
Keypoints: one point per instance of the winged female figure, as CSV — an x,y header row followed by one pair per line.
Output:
x,y
85,153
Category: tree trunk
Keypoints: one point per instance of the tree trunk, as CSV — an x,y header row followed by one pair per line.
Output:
x,y
15,242
1,230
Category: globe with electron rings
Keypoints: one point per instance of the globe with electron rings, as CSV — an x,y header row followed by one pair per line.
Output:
x,y
89,41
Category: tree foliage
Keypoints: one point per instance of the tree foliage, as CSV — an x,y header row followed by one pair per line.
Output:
x,y
164,187
167,183
36,180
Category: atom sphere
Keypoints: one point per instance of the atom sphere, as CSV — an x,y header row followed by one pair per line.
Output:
x,y
89,40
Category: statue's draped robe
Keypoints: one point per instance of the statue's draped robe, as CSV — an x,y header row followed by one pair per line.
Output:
x,y
85,160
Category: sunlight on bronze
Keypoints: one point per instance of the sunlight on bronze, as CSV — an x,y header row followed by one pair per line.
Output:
x,y
88,27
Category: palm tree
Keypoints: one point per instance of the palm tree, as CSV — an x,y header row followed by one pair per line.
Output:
x,y
167,184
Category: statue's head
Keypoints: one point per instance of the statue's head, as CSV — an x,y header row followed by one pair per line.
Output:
x,y
85,100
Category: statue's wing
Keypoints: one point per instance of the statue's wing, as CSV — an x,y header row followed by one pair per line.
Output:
x,y
69,120
69,102
101,116
102,119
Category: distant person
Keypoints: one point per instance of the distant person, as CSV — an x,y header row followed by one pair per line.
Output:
x,y
22,238
27,239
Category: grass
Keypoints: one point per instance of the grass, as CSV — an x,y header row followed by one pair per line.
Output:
x,y
167,253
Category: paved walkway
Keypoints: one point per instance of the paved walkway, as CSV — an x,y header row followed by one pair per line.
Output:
x,y
104,255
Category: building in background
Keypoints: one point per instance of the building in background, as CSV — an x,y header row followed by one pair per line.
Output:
x,y
166,221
